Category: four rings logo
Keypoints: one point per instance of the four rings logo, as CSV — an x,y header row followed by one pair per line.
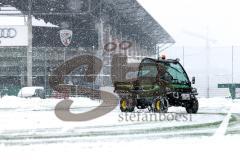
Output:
x,y
8,33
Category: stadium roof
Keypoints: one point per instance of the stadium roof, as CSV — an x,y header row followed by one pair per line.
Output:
x,y
56,11
137,15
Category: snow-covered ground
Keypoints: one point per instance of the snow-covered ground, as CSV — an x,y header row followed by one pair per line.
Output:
x,y
29,126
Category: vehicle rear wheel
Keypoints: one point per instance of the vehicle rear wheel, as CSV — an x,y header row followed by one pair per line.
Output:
x,y
160,105
126,105
192,108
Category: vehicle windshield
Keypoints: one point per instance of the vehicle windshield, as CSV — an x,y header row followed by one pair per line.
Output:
x,y
177,73
148,71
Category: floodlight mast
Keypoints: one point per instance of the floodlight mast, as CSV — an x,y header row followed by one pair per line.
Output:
x,y
29,50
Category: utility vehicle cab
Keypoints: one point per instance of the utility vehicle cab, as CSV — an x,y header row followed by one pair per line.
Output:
x,y
160,84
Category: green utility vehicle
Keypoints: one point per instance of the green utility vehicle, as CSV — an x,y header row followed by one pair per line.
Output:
x,y
160,84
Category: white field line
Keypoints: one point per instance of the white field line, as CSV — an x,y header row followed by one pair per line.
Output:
x,y
221,131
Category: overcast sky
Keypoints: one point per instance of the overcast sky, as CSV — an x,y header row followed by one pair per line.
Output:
x,y
189,20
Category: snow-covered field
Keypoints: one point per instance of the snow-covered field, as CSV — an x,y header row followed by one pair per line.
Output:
x,y
29,126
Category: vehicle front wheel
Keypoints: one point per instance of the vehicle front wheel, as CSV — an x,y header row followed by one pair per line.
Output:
x,y
160,105
126,105
192,108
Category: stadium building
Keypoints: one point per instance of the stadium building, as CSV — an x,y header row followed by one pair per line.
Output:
x,y
29,57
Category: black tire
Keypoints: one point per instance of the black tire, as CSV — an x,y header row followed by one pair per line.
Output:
x,y
160,105
126,105
166,105
192,108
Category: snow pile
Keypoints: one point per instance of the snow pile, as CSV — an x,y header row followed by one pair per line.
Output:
x,y
28,91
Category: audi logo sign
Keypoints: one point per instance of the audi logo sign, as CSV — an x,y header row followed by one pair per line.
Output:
x,y
8,33
13,35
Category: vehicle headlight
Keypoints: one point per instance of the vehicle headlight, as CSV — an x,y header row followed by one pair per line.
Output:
x,y
194,90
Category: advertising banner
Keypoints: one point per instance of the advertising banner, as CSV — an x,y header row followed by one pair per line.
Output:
x,y
13,36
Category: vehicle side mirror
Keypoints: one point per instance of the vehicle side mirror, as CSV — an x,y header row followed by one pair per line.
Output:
x,y
193,80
